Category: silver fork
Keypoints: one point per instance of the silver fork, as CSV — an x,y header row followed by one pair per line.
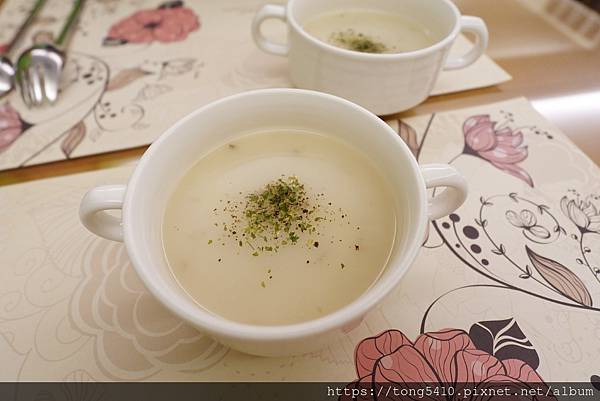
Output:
x,y
39,68
7,70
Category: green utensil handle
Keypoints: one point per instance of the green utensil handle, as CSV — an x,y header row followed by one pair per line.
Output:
x,y
77,5
36,7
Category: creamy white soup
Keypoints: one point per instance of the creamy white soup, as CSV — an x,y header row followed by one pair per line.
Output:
x,y
370,31
279,227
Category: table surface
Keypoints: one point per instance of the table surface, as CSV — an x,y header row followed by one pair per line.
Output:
x,y
560,78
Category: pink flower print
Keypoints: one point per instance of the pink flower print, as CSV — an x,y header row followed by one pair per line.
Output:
x,y
11,126
501,147
171,22
440,358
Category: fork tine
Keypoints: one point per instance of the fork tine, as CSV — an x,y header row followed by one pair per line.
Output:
x,y
39,71
29,89
24,88
36,85
51,82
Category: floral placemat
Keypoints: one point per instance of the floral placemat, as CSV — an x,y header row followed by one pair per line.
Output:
x,y
508,285
137,66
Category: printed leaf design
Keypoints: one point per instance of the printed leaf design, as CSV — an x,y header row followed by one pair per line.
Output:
x,y
540,231
73,138
409,136
177,67
171,4
527,273
560,278
505,340
113,42
485,202
483,223
152,91
125,77
499,250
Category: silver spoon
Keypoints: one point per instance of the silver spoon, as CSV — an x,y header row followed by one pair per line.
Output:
x,y
7,70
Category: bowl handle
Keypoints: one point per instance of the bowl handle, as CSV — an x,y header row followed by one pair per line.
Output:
x,y
93,207
476,26
444,175
266,12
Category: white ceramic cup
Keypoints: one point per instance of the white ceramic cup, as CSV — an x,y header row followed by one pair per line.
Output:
x,y
144,199
382,83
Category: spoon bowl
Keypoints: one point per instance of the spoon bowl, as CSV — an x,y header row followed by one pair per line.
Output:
x,y
7,74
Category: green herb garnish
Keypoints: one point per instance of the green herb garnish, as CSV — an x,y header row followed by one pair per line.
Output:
x,y
278,213
281,213
359,42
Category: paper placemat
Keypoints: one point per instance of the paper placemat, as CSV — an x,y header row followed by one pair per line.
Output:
x,y
130,78
512,276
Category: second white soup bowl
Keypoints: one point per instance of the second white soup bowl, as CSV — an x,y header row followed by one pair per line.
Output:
x,y
383,83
